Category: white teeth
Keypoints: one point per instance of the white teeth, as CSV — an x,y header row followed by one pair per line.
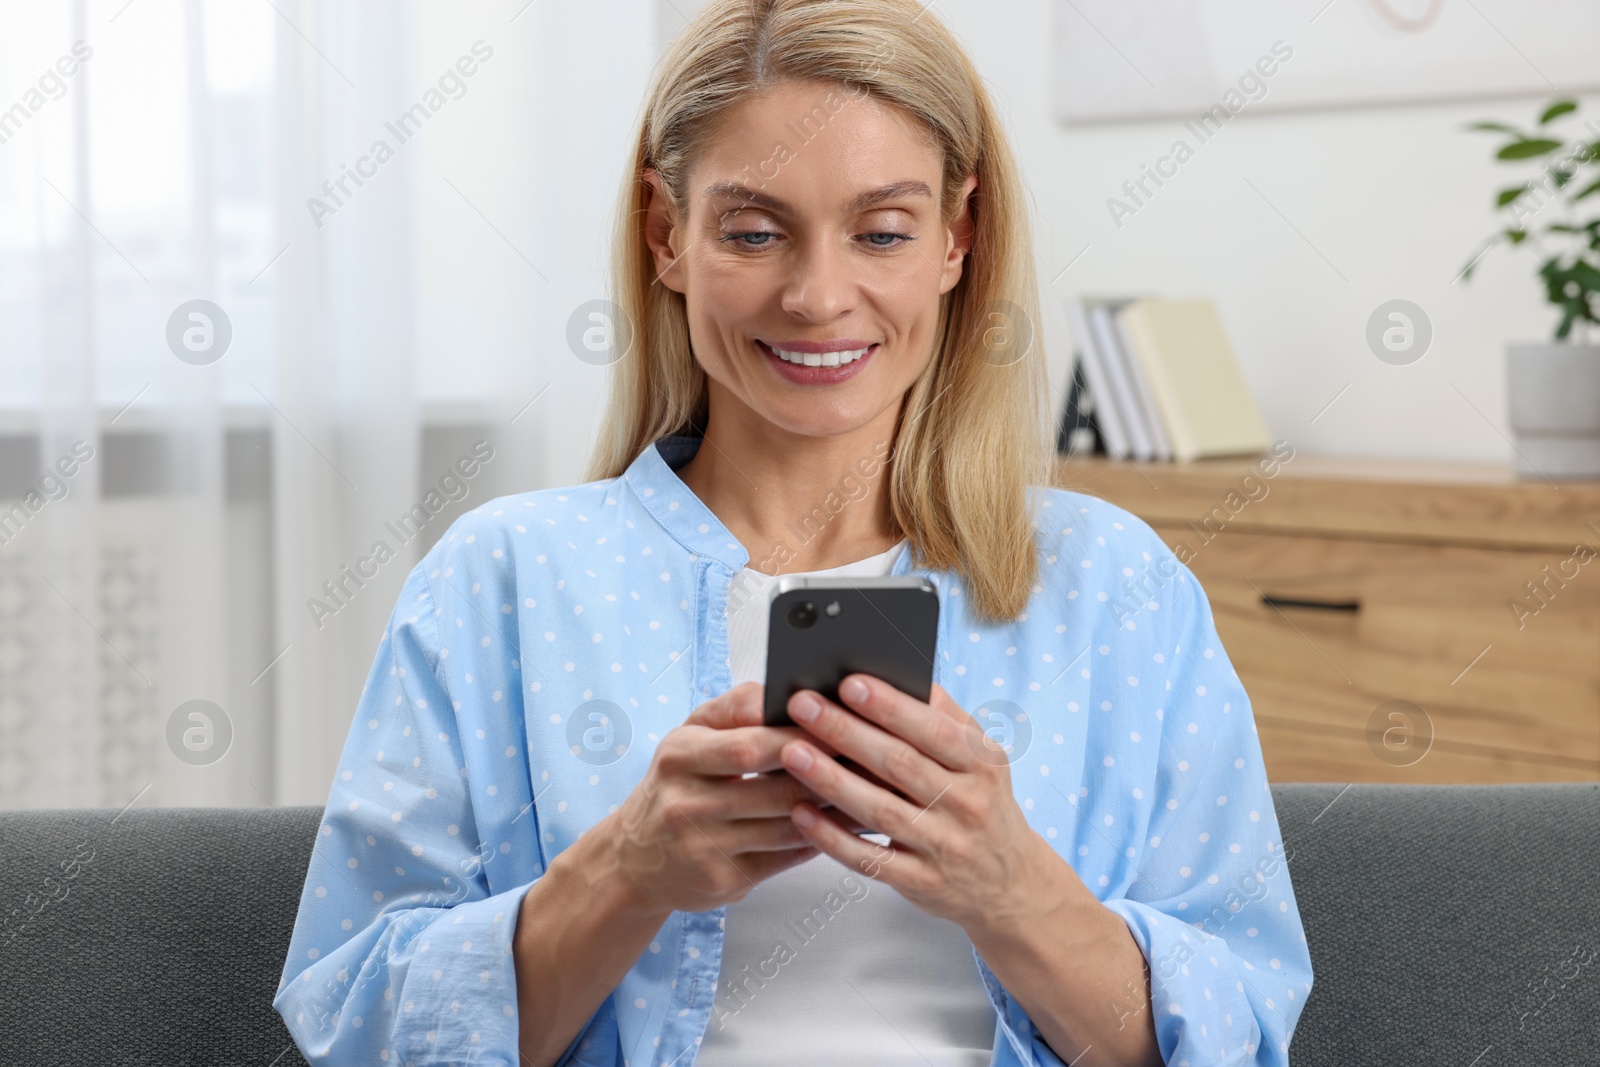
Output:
x,y
821,359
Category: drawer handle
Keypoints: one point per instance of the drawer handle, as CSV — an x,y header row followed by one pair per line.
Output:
x,y
1300,602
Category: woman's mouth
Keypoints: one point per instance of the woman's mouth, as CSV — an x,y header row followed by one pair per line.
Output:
x,y
816,368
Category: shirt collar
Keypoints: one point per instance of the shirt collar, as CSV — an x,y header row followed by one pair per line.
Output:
x,y
653,476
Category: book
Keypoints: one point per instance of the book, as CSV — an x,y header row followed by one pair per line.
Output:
x,y
1122,395
1098,381
1144,395
1194,378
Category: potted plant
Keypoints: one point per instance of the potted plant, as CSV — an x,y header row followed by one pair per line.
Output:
x,y
1553,388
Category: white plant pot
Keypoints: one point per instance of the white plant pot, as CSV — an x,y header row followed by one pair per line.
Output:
x,y
1553,390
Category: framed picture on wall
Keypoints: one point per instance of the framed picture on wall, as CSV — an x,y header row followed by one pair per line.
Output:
x,y
1118,61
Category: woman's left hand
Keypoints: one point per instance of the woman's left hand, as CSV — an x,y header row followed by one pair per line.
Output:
x,y
959,847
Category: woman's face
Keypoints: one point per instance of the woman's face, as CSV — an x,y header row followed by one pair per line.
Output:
x,y
814,229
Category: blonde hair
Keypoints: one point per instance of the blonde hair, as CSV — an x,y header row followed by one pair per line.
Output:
x,y
973,432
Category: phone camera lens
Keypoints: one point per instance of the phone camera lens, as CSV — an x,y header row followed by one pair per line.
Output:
x,y
802,615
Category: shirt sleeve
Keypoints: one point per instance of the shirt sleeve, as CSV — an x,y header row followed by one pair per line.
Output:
x,y
400,952
1212,907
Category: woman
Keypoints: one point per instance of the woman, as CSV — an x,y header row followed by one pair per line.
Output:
x,y
559,832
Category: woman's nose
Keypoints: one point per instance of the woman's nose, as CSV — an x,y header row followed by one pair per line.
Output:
x,y
821,285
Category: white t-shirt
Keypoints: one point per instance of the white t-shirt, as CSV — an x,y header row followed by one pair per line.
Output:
x,y
823,965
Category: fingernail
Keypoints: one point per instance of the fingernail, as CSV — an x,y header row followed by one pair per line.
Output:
x,y
854,690
798,758
805,707
803,818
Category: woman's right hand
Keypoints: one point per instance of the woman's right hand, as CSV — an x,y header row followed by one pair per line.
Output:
x,y
694,834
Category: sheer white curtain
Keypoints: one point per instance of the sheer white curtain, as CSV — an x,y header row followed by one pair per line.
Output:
x,y
156,642
178,620
346,366
455,286
114,555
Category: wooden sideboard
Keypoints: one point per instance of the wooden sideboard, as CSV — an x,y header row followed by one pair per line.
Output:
x,y
1371,609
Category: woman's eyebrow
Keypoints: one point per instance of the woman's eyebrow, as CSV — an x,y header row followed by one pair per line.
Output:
x,y
861,202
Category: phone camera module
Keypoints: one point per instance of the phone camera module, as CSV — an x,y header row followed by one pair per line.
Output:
x,y
802,615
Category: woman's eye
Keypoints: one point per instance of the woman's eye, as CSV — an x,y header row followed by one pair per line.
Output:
x,y
895,237
739,238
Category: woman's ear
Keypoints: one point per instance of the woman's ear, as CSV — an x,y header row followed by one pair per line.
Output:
x,y
962,232
661,231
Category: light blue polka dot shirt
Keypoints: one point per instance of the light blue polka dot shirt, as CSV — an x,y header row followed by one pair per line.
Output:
x,y
542,648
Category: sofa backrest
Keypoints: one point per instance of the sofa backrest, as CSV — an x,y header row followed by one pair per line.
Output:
x,y
1448,925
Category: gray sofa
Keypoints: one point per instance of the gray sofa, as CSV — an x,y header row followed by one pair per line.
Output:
x,y
1454,926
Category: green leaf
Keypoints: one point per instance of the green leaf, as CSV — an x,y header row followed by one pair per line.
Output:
x,y
1510,194
1499,127
1516,237
1528,149
1557,109
1586,276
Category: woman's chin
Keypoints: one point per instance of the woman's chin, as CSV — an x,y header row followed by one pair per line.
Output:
x,y
815,420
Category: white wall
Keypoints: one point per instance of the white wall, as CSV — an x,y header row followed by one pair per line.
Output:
x,y
1388,203
535,152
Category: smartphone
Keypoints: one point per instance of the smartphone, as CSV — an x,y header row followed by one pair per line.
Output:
x,y
820,630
